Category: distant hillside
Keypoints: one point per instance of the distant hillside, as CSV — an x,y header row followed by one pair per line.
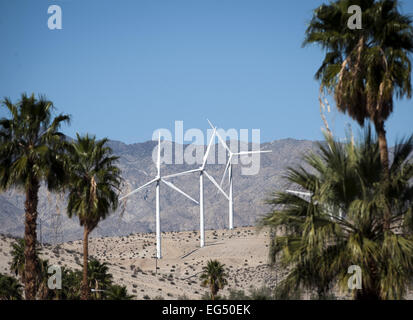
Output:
x,y
177,213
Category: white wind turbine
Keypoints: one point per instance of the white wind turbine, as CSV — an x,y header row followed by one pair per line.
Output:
x,y
202,171
228,168
157,180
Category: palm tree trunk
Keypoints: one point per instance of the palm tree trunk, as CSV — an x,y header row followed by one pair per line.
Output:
x,y
30,266
384,159
85,285
214,291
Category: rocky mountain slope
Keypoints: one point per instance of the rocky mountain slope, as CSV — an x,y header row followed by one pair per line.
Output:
x,y
177,213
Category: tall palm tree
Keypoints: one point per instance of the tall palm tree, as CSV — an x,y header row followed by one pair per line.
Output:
x,y
116,292
365,68
30,154
214,276
341,224
10,288
98,276
94,188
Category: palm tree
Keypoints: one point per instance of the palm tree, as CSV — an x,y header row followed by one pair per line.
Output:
x,y
10,288
30,153
341,224
71,283
98,276
93,191
214,276
365,68
17,263
116,292
43,291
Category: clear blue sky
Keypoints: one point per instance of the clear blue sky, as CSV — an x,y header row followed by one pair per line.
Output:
x,y
125,68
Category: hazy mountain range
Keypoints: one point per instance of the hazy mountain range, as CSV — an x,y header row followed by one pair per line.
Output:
x,y
177,213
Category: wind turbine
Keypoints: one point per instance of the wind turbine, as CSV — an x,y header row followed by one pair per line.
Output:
x,y
202,171
157,180
228,168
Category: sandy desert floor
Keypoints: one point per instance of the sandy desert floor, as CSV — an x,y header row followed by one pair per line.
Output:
x,y
131,261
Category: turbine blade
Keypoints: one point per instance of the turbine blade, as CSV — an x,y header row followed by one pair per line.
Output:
x,y
211,125
136,190
242,153
308,194
226,169
211,178
223,142
171,185
219,137
180,173
208,149
158,164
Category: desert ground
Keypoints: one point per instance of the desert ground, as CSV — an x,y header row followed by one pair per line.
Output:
x,y
244,251
131,261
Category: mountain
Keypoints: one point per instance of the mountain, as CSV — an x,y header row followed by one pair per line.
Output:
x,y
177,212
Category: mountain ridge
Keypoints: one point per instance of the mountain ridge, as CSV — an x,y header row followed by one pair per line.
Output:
x,y
177,213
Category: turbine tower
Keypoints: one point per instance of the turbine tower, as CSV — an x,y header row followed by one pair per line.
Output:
x,y
157,180
202,171
228,168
